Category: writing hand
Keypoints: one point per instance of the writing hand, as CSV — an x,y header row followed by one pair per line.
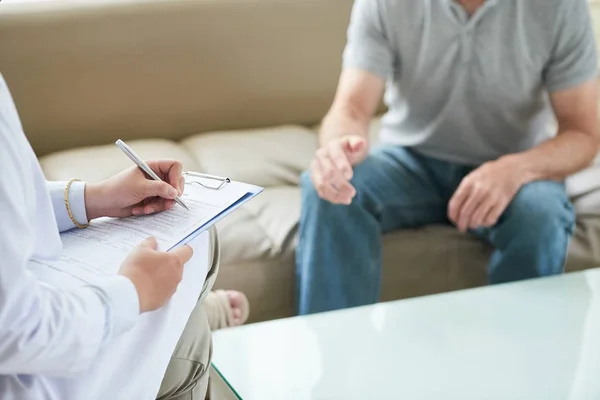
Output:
x,y
132,192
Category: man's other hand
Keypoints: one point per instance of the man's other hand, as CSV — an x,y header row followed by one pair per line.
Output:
x,y
484,194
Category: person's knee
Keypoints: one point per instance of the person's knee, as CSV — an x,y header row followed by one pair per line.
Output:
x,y
188,371
214,259
214,252
312,203
308,188
541,215
192,381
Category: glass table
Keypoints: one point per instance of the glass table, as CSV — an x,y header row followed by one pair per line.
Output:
x,y
537,339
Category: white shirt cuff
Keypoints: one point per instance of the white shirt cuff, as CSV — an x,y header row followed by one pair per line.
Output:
x,y
122,305
77,202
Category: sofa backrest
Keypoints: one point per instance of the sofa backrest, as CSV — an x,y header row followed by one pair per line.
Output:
x,y
86,72
89,72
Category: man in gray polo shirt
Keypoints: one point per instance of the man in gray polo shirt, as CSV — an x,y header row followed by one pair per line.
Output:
x,y
472,89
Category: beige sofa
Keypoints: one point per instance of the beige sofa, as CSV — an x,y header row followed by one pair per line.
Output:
x,y
230,87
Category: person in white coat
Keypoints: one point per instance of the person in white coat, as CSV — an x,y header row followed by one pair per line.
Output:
x,y
50,331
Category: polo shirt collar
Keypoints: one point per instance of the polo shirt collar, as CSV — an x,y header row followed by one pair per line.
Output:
x,y
487,4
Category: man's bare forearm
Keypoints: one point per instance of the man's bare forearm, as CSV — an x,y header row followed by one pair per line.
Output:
x,y
357,97
566,154
342,121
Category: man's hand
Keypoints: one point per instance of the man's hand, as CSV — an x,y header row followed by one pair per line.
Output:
x,y
155,274
484,194
331,170
132,192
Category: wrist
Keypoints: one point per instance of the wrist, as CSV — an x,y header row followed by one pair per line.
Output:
x,y
93,201
522,166
133,279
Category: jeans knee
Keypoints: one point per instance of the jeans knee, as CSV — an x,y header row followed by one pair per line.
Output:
x,y
541,213
362,176
306,183
310,196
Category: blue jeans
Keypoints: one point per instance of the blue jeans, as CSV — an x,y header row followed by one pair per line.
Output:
x,y
338,259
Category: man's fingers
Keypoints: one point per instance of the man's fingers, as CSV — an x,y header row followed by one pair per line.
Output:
x,y
346,193
466,212
339,190
480,214
323,187
495,213
184,253
325,166
457,201
354,144
329,172
339,183
327,192
341,162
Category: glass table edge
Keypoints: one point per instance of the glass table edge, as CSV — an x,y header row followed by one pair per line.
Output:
x,y
237,395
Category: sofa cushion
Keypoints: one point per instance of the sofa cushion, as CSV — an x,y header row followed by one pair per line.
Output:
x,y
586,183
432,259
93,164
265,157
262,228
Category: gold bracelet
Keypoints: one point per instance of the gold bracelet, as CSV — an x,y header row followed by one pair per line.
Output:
x,y
77,224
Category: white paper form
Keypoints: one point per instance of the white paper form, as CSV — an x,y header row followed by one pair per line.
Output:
x,y
99,250
132,366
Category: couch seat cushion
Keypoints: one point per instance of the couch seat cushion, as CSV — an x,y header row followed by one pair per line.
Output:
x,y
263,228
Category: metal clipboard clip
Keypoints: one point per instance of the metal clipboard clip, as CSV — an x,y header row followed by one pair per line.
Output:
x,y
219,181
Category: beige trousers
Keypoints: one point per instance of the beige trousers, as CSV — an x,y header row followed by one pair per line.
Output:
x,y
187,374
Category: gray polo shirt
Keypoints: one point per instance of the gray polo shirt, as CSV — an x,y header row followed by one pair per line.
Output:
x,y
470,89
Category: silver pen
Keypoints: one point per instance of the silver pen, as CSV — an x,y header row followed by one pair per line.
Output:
x,y
143,166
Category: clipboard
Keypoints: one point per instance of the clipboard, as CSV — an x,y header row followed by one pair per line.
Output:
x,y
215,183
219,181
